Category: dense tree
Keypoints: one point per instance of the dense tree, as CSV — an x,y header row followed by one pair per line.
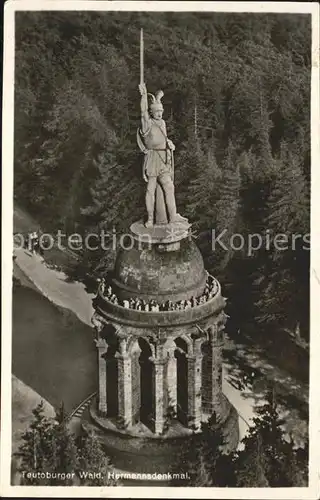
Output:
x,y
216,464
250,467
64,454
203,459
265,459
203,190
190,463
283,282
227,209
92,459
48,446
35,451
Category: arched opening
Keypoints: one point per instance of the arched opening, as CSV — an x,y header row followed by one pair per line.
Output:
x,y
182,380
146,384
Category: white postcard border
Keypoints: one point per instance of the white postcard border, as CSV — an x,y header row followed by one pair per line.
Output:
x,y
313,491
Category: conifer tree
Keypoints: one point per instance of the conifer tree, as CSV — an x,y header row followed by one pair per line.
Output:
x,y
288,207
115,201
217,465
283,278
265,165
297,460
264,458
227,207
93,459
103,206
190,463
64,449
203,458
203,189
49,446
250,466
36,448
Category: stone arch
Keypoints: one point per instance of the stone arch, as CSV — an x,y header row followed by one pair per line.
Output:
x,y
168,346
181,353
132,345
146,383
188,343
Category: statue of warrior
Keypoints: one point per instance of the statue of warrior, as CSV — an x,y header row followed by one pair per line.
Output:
x,y
158,161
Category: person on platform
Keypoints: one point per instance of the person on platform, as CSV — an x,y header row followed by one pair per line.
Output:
x,y
102,285
158,162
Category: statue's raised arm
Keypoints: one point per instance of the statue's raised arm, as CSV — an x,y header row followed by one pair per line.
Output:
x,y
145,117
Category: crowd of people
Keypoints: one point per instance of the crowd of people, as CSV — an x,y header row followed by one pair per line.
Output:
x,y
211,288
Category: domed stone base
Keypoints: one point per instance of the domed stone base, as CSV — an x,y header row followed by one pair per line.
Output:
x,y
149,270
146,454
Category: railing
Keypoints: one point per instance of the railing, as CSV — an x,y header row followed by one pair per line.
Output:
x,y
162,318
82,406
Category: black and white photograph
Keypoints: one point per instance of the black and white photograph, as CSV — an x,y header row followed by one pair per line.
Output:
x,y
160,197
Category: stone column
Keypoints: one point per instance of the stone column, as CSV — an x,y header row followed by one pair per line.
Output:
x,y
158,385
124,389
172,379
194,390
216,344
102,349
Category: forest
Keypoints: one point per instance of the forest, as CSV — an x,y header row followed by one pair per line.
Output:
x,y
266,459
237,106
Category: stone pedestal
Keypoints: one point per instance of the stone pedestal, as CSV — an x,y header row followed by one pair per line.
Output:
x,y
172,381
216,375
102,374
125,389
158,374
194,391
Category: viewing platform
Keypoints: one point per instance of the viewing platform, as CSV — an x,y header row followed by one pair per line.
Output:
x,y
116,312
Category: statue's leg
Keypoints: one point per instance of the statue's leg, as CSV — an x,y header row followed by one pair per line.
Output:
x,y
161,212
150,198
168,188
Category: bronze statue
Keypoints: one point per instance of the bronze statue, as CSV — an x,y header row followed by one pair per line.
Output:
x,y
158,162
158,165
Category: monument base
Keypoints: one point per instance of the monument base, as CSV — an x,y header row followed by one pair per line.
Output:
x,y
148,455
166,236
